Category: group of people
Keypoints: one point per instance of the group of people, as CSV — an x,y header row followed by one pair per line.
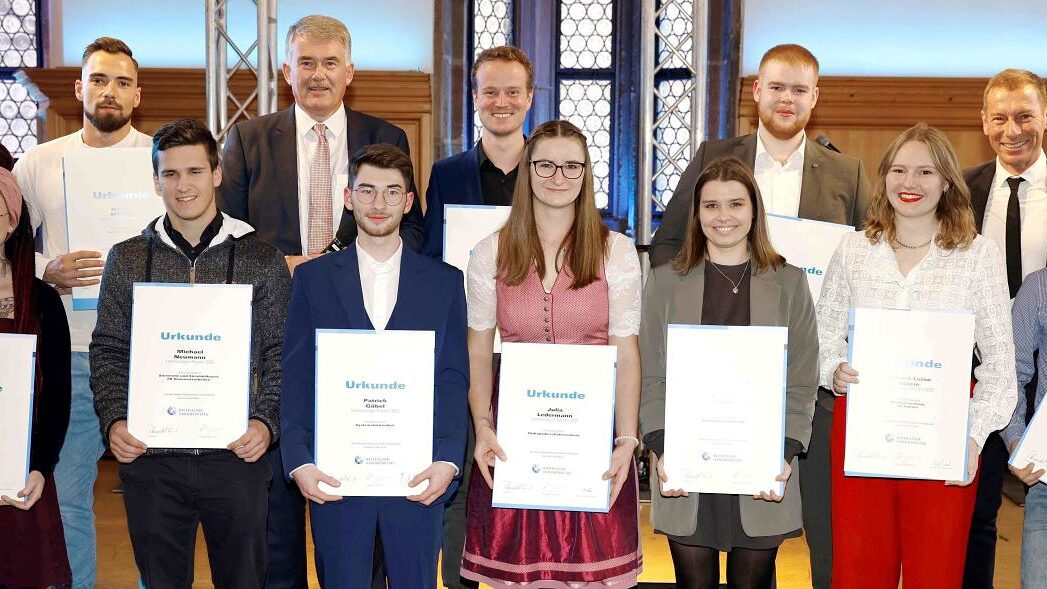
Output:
x,y
316,207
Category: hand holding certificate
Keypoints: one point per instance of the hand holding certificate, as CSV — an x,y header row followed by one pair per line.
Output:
x,y
555,426
374,415
190,376
1032,450
17,374
907,415
725,409
110,194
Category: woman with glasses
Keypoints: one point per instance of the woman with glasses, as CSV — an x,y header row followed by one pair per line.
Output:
x,y
727,273
919,250
33,551
554,274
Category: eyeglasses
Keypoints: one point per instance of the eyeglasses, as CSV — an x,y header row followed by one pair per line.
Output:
x,y
547,169
392,196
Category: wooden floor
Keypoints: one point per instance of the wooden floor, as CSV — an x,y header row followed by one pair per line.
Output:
x,y
116,568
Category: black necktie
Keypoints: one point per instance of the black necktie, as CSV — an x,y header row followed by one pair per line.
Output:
x,y
1013,238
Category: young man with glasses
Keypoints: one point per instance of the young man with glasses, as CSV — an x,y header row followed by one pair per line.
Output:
x,y
377,284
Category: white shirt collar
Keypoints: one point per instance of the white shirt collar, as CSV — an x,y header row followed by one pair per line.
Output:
x,y
795,158
370,263
1035,175
304,123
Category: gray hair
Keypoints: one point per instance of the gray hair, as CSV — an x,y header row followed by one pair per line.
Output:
x,y
321,28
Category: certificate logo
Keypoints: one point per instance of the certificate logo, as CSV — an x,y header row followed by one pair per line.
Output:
x,y
888,438
707,456
172,410
536,469
359,460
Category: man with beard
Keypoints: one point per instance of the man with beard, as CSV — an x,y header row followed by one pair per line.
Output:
x,y
797,178
108,88
376,284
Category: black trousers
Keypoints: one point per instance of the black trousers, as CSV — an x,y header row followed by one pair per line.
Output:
x,y
168,497
285,530
816,490
980,565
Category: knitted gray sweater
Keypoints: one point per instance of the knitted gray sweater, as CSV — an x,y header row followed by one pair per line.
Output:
x,y
235,255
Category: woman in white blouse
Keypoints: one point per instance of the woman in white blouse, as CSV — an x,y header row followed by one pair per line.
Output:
x,y
919,250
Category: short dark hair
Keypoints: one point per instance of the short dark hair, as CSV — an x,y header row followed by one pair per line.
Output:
x,y
109,45
383,156
184,132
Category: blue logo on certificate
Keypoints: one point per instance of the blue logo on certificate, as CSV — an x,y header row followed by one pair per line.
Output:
x,y
171,410
359,460
536,469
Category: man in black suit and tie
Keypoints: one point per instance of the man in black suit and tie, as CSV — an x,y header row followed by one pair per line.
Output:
x,y
279,167
797,178
1009,196
285,174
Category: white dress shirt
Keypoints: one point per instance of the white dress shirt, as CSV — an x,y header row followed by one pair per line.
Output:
x,y
379,282
863,274
780,183
1032,203
337,142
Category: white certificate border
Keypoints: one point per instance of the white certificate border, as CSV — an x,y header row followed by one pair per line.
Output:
x,y
850,353
1021,441
785,369
449,206
32,399
250,338
805,220
609,482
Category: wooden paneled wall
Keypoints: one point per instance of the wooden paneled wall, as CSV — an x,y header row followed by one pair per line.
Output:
x,y
402,98
862,115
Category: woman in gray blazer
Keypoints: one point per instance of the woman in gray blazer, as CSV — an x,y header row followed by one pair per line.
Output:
x,y
728,274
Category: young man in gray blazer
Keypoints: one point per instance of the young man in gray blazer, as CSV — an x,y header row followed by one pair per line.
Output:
x,y
798,178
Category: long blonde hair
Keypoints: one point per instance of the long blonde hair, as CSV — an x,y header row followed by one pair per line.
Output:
x,y
585,245
956,228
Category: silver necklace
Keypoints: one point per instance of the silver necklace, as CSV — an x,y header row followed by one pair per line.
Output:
x,y
734,286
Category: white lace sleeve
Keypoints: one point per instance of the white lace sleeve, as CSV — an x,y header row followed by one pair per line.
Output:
x,y
833,310
480,285
622,270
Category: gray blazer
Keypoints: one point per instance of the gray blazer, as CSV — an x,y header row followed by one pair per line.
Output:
x,y
777,297
834,189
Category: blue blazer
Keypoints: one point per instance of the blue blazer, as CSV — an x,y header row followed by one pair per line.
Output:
x,y
453,180
326,294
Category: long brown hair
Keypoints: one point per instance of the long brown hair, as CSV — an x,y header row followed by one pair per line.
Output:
x,y
956,229
696,244
585,245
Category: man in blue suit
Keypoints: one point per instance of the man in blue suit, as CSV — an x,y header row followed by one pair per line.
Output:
x,y
377,283
503,86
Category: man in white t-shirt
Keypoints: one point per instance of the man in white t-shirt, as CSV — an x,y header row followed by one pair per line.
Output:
x,y
108,89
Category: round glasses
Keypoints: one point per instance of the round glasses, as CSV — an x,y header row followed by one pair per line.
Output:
x,y
392,196
570,170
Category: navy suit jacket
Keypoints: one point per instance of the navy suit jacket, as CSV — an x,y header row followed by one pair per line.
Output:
x,y
454,180
260,177
326,294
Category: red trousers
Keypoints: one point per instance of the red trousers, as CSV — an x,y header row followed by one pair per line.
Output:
x,y
884,528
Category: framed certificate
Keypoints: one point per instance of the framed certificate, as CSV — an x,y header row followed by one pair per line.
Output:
x,y
806,244
111,195
374,414
190,377
907,417
725,408
1032,448
17,380
555,424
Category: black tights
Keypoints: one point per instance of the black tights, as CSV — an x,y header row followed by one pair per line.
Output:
x,y
698,567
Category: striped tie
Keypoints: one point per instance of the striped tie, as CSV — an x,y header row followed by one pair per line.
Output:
x,y
320,199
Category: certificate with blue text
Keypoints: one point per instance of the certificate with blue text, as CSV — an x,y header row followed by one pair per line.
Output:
x,y
109,197
17,378
1032,448
907,416
190,378
725,408
806,244
556,426
374,409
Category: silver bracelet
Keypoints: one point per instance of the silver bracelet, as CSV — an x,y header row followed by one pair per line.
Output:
x,y
620,438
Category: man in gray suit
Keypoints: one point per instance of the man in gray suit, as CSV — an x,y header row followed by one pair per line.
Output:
x,y
798,178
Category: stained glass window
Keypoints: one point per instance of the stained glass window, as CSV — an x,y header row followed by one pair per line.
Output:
x,y
19,48
674,94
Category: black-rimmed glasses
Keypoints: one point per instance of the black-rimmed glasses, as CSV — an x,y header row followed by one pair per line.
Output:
x,y
570,170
